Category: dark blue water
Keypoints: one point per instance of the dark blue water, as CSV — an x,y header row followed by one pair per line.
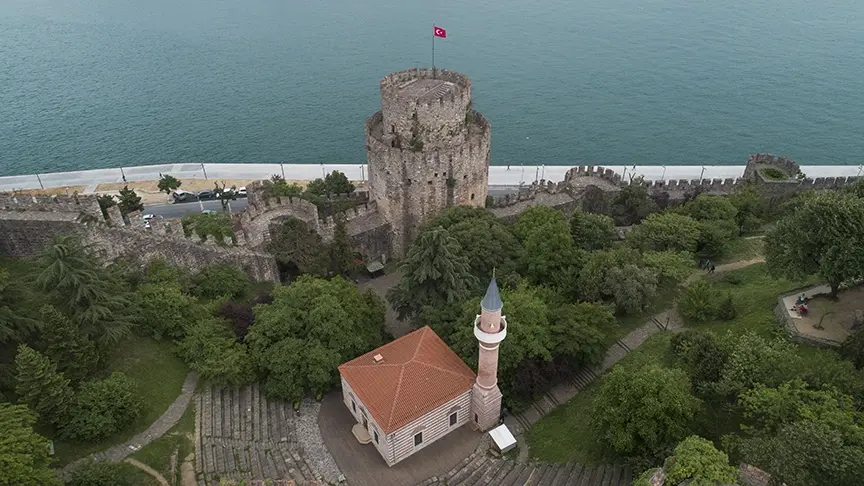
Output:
x,y
102,83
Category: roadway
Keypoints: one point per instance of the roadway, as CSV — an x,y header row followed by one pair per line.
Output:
x,y
178,210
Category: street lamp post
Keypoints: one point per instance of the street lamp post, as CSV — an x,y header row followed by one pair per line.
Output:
x,y
543,172
40,181
701,174
323,174
624,174
362,173
204,170
122,174
522,177
663,177
860,168
282,166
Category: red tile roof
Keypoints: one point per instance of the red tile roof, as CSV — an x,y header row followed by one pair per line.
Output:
x,y
418,374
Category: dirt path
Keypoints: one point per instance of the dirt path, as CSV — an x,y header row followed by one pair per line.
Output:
x,y
726,267
149,470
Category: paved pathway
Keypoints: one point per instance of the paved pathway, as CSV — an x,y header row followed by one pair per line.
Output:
x,y
156,430
149,470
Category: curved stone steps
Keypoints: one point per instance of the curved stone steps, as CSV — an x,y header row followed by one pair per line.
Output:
x,y
483,469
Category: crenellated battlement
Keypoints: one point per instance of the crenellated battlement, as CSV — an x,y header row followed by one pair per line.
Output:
x,y
392,86
85,204
476,143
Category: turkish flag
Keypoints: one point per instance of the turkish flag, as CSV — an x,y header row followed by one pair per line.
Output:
x,y
439,32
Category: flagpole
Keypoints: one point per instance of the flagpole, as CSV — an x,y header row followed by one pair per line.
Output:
x,y
433,50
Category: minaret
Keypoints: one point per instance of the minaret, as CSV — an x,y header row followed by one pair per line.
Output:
x,y
490,328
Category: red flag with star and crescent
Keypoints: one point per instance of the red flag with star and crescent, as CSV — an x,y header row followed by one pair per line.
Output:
x,y
439,32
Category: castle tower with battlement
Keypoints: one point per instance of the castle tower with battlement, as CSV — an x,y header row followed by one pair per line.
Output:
x,y
490,328
427,149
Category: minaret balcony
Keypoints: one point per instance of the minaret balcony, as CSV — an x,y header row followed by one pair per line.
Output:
x,y
488,337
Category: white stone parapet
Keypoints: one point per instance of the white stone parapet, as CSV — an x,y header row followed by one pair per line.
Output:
x,y
489,338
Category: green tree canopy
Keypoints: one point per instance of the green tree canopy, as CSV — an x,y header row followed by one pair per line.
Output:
x,y
548,255
632,205
24,458
666,231
486,242
704,356
708,207
754,360
73,352
699,302
212,350
853,348
218,225
45,391
102,408
671,266
294,244
751,208
825,236
95,299
221,280
697,460
640,413
129,201
324,321
337,183
168,183
592,231
435,272
164,309
579,332
100,474
633,288
106,201
591,283
15,325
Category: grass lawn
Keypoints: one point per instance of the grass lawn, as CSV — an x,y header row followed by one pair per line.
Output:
x,y
566,434
742,249
160,376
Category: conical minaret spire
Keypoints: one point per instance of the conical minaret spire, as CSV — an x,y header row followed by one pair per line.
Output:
x,y
490,328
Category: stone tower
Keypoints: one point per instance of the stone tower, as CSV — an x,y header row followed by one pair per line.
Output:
x,y
427,149
490,328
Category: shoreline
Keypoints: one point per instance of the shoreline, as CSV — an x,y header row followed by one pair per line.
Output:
x,y
499,175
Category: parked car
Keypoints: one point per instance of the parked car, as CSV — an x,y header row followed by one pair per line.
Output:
x,y
206,194
183,196
208,211
241,192
147,217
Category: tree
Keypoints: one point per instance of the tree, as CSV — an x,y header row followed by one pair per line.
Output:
x,y
210,349
484,240
163,309
24,458
15,325
750,208
102,408
548,255
73,352
754,360
579,332
671,266
39,385
100,474
853,348
317,188
704,357
106,201
218,225
435,272
802,436
168,183
640,413
696,461
632,205
221,280
224,195
239,315
337,182
323,322
294,244
666,232
592,231
726,310
708,207
88,293
825,236
632,287
715,236
129,201
591,283
698,303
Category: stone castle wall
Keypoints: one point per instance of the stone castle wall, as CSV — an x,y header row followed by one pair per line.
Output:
x,y
756,162
29,224
440,118
413,186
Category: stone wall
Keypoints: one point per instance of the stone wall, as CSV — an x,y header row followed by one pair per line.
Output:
x,y
412,186
28,225
757,162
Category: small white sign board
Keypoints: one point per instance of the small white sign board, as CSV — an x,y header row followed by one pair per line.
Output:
x,y
503,438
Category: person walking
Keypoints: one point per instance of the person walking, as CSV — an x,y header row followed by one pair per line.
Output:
x,y
711,270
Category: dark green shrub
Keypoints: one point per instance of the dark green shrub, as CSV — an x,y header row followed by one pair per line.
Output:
x,y
100,474
726,311
221,280
773,174
698,303
102,408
